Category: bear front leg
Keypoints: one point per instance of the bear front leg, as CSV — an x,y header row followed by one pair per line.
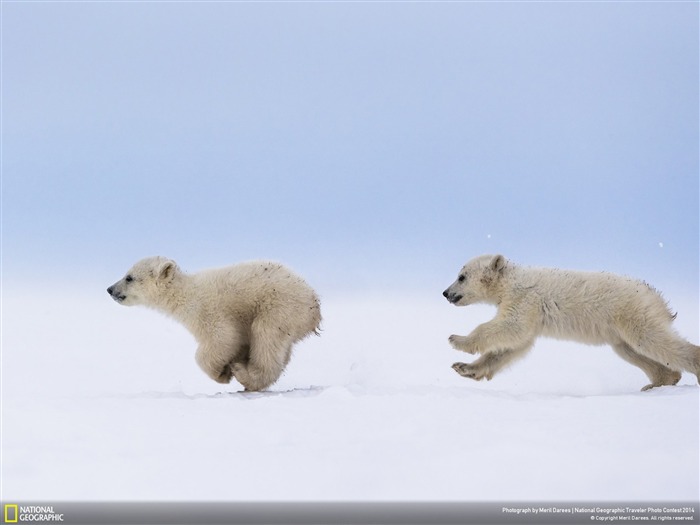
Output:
x,y
494,336
463,343
240,372
491,363
477,342
484,367
213,364
468,370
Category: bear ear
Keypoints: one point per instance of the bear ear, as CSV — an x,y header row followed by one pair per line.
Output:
x,y
166,270
497,263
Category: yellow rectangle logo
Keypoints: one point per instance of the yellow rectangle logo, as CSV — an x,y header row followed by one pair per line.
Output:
x,y
11,513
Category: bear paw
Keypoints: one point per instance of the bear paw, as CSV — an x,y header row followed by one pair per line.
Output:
x,y
225,375
462,343
464,369
467,370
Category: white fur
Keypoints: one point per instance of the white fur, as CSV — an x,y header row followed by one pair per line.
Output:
x,y
245,317
591,308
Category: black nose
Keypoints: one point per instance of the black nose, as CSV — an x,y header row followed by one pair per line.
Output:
x,y
444,294
110,290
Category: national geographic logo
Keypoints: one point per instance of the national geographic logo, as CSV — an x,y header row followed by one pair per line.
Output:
x,y
30,514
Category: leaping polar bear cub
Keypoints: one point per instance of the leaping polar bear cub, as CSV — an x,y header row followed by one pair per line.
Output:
x,y
245,317
591,308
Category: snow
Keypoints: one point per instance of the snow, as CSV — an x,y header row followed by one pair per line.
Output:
x,y
103,402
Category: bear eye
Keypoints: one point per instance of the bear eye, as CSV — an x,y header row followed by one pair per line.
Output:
x,y
129,278
461,278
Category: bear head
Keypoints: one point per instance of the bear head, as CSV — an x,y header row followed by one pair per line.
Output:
x,y
477,281
144,282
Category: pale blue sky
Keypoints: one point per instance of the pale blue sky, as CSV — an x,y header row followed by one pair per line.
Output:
x,y
366,144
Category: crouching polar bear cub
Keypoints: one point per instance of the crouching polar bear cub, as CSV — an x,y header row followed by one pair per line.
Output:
x,y
245,317
591,308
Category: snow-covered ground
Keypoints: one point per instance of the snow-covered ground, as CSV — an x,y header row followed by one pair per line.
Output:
x,y
103,402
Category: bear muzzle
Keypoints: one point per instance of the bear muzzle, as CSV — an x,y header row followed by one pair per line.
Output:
x,y
119,297
452,297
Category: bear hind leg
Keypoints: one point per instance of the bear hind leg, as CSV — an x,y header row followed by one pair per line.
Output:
x,y
658,374
270,351
693,351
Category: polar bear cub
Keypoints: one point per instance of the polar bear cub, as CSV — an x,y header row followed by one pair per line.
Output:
x,y
245,317
591,308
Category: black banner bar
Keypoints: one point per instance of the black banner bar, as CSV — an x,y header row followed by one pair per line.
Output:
x,y
355,513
